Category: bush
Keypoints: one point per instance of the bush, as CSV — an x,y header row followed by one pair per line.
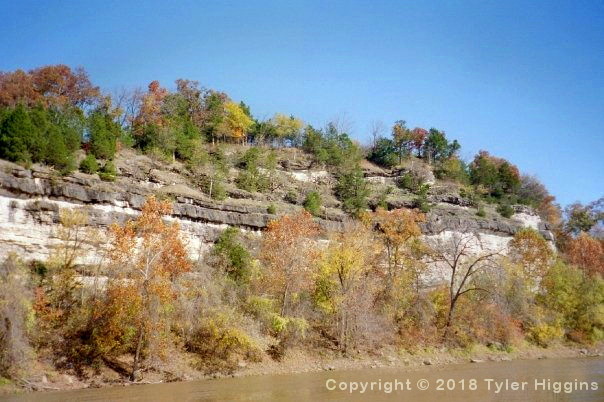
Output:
x,y
271,209
453,169
232,257
481,212
108,172
505,210
89,165
15,311
577,298
312,203
291,196
421,201
250,178
221,345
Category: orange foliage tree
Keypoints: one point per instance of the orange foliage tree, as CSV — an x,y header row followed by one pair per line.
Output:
x,y
150,108
532,252
586,252
56,85
146,256
287,252
399,233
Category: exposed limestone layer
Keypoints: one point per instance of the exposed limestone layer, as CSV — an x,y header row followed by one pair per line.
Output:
x,y
30,200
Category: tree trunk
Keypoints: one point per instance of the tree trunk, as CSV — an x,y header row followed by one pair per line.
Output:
x,y
449,319
139,344
284,300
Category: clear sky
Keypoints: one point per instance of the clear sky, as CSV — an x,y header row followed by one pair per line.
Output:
x,y
522,79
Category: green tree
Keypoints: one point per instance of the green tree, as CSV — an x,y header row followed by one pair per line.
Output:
x,y
437,147
383,153
16,128
352,190
103,133
58,153
312,203
232,257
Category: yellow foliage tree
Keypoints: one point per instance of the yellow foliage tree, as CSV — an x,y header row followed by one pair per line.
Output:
x,y
236,122
399,232
287,127
342,278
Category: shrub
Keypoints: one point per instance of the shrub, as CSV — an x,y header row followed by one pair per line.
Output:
x,y
271,209
577,298
232,256
89,165
250,177
505,210
220,345
421,201
453,169
108,172
481,212
312,203
15,311
291,196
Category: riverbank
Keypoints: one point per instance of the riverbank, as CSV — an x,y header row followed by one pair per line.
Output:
x,y
47,378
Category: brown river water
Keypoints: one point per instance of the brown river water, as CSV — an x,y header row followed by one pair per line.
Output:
x,y
527,380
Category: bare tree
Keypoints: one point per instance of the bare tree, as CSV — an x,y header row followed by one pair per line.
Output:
x,y
464,259
129,102
343,123
377,128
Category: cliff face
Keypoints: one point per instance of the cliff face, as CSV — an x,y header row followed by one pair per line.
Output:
x,y
30,200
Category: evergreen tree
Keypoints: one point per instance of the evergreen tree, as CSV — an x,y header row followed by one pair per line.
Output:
x,y
16,127
102,134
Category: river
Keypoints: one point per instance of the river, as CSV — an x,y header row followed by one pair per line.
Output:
x,y
527,380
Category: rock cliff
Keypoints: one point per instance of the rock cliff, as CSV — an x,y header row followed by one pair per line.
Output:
x,y
30,200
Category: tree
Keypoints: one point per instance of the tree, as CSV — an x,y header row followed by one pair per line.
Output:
x,y
232,257
15,129
581,218
53,86
437,147
287,252
496,175
149,119
532,192
453,169
586,252
402,138
146,256
341,280
383,153
236,123
418,137
399,232
457,253
103,133
353,191
532,252
287,128
61,86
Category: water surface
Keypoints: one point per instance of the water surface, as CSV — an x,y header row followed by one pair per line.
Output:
x,y
457,383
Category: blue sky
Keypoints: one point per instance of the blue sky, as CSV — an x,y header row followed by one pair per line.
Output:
x,y
524,80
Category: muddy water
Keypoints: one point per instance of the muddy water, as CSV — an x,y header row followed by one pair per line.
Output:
x,y
528,380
